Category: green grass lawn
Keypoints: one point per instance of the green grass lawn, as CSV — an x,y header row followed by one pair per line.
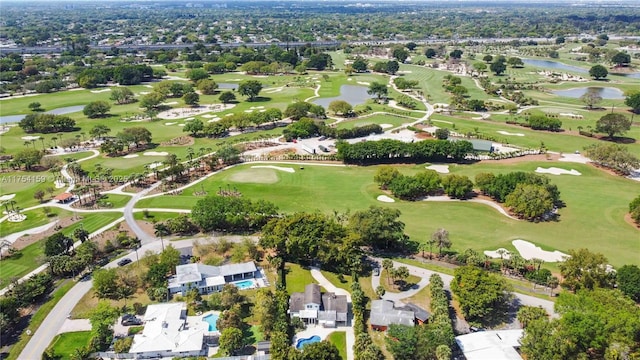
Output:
x,y
117,200
375,119
64,345
339,339
596,204
391,287
35,218
32,256
297,278
26,183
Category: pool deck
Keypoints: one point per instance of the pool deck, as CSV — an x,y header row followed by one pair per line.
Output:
x,y
315,330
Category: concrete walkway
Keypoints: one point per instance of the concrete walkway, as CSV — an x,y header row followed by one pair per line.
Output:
x,y
351,337
70,325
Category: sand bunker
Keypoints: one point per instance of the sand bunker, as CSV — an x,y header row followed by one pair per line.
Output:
x,y
7,197
170,103
181,124
577,158
364,83
188,112
29,138
131,156
154,165
155,153
530,251
385,198
149,86
256,176
285,169
144,93
170,123
100,91
509,134
442,169
386,126
496,253
557,171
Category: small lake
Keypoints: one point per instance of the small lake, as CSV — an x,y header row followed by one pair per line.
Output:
x,y
631,75
546,64
59,111
605,92
353,94
227,86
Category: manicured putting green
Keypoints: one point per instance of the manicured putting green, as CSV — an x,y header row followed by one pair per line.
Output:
x,y
256,176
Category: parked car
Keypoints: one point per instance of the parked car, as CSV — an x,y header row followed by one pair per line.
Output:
x,y
322,138
376,271
124,262
128,320
476,329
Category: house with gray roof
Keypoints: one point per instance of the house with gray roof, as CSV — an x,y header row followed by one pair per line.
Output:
x,y
208,279
312,307
383,314
421,315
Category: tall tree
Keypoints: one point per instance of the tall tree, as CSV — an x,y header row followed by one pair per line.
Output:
x,y
583,269
598,72
250,88
441,239
613,124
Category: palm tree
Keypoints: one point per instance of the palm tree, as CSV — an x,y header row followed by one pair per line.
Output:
x,y
502,253
441,239
54,141
387,264
161,230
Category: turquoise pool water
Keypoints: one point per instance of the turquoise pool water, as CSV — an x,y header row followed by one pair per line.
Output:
x,y
244,284
211,319
305,341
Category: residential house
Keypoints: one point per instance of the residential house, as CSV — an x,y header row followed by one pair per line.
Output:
x,y
383,314
494,345
421,315
312,307
169,332
208,279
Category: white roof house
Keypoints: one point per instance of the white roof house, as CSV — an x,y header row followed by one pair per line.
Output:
x,y
208,278
168,331
494,345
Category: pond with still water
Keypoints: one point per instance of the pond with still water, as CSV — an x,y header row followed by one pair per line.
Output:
x,y
353,94
227,86
554,65
58,111
604,92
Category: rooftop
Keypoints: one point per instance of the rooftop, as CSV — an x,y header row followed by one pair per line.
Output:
x,y
189,273
167,328
384,314
495,345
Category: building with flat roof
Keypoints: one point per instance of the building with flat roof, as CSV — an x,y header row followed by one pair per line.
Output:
x,y
208,279
169,332
494,345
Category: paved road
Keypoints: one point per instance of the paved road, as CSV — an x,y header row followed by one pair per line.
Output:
x,y
128,216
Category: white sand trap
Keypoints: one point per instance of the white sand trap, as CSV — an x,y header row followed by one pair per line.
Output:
x,y
262,110
144,93
181,125
577,158
349,79
557,171
285,169
213,120
386,126
155,153
131,156
7,197
496,254
100,91
385,198
154,165
170,103
530,251
260,76
404,72
442,169
29,138
208,116
509,134
364,83
59,184
257,107
229,115
249,111
170,123
149,86
189,119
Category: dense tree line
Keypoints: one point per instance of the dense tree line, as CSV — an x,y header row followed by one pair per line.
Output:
x,y
634,210
22,295
543,122
422,184
47,123
227,213
594,324
306,128
395,151
613,156
484,298
530,196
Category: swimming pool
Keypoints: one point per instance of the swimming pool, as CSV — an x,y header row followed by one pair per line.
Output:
x,y
306,341
244,284
211,319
